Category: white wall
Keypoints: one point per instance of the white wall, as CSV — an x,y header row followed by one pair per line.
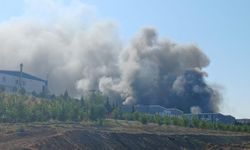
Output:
x,y
29,85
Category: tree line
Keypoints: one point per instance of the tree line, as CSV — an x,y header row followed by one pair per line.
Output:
x,y
179,121
21,109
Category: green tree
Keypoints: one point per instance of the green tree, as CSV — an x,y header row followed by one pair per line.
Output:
x,y
97,112
143,119
158,120
108,106
167,120
82,102
136,116
117,113
66,95
186,122
196,122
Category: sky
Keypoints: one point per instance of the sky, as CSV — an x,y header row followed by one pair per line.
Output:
x,y
219,27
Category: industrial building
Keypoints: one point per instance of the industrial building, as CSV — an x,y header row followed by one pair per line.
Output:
x,y
14,81
213,117
153,109
174,112
243,121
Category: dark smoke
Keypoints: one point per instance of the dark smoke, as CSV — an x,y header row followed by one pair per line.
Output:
x,y
157,71
81,56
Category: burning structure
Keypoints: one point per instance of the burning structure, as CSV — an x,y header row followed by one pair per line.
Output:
x,y
14,81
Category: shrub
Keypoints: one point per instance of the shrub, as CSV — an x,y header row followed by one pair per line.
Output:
x,y
20,128
185,122
143,119
178,121
136,116
167,120
158,120
195,122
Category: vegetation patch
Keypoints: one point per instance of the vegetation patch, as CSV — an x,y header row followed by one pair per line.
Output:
x,y
95,110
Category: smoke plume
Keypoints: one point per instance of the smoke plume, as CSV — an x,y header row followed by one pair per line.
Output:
x,y
79,54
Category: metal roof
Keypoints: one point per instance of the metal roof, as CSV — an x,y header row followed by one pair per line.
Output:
x,y
154,108
199,114
24,75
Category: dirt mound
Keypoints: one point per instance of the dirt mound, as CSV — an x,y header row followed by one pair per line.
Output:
x,y
123,137
82,139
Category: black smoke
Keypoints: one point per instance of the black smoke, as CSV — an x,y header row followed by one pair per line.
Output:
x,y
194,92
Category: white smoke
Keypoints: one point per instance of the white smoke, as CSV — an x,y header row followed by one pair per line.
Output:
x,y
74,53
195,110
81,53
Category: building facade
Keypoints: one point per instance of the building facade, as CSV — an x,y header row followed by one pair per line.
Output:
x,y
213,117
13,81
153,109
243,121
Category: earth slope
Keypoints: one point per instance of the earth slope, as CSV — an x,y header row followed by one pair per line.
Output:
x,y
122,136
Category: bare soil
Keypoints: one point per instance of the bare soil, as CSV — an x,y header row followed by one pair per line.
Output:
x,y
117,136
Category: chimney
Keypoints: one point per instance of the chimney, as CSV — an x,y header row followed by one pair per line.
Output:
x,y
21,75
21,68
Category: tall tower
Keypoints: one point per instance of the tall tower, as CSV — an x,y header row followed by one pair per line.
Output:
x,y
21,67
21,75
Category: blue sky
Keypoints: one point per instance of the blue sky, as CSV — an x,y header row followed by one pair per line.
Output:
x,y
219,27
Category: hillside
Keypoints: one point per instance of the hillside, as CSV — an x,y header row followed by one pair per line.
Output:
x,y
116,135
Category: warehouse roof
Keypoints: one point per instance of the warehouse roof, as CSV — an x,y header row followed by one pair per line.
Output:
x,y
24,75
155,109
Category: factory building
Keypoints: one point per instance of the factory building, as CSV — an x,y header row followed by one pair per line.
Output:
x,y
213,117
14,81
153,109
243,121
173,112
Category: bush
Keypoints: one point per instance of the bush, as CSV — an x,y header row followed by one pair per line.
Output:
x,y
195,122
21,108
20,128
97,112
117,114
185,122
178,121
128,116
166,120
143,119
100,122
203,124
158,120
136,116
